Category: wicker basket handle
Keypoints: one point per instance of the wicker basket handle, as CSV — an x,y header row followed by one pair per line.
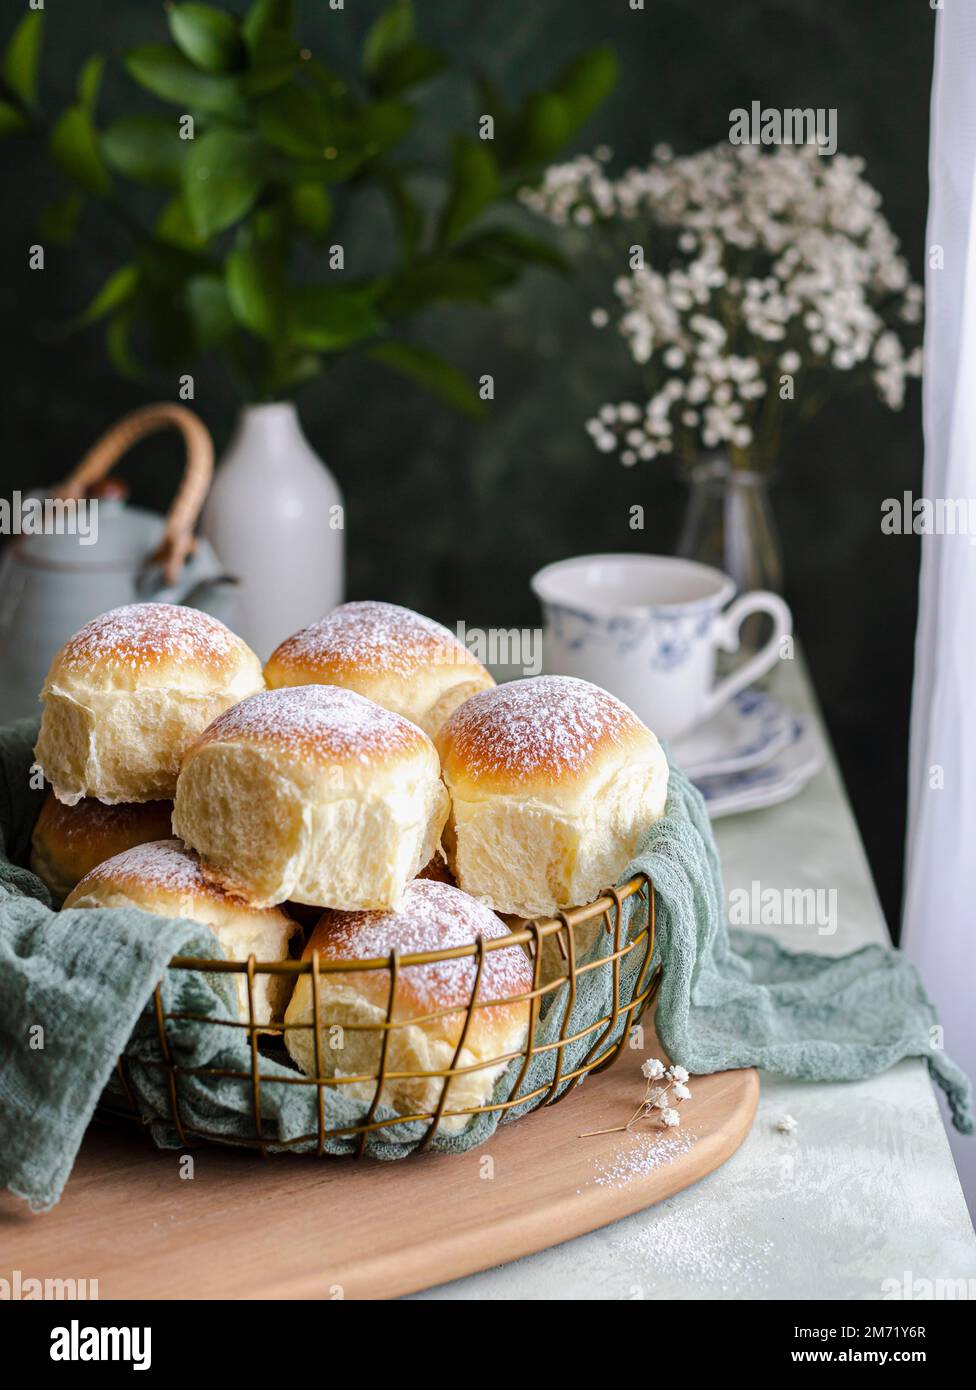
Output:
x,y
177,542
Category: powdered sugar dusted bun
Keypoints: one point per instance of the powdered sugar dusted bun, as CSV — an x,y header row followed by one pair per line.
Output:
x,y
403,661
431,917
128,694
165,878
312,793
68,841
552,783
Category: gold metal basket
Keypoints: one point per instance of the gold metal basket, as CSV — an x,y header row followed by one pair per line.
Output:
x,y
566,931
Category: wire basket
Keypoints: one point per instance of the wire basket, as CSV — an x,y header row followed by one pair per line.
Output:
x,y
573,933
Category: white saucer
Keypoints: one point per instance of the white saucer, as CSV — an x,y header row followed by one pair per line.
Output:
x,y
769,782
749,730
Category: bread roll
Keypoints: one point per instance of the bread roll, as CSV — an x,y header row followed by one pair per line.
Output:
x,y
431,917
314,794
128,694
552,783
68,841
165,878
405,662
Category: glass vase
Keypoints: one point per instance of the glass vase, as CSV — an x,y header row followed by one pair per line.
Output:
x,y
729,523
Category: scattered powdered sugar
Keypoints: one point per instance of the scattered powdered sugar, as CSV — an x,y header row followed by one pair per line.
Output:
x,y
546,722
695,1238
431,916
165,865
140,634
641,1154
316,721
374,637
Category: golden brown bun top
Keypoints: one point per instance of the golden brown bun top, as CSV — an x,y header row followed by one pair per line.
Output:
x,y
162,870
144,643
431,917
368,638
92,826
315,723
551,728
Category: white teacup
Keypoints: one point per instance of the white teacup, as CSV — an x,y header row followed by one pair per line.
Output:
x,y
648,627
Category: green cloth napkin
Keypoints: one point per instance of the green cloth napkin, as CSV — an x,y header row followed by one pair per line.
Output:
x,y
85,977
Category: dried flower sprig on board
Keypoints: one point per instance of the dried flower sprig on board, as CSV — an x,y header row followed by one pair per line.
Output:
x,y
656,1103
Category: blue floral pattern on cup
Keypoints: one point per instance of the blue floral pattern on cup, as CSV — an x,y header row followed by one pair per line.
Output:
x,y
671,635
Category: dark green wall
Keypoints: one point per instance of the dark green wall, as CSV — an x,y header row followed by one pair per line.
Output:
x,y
452,517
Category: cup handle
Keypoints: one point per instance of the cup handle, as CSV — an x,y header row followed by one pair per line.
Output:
x,y
727,637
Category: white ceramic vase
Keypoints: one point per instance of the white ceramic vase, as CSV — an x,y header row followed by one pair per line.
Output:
x,y
275,518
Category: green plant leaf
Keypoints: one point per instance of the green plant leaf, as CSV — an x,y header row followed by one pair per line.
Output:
x,y
381,125
544,126
210,38
255,292
412,65
90,82
58,222
267,17
388,36
221,179
21,57
11,120
516,248
118,288
292,372
145,148
118,335
431,370
587,82
74,148
163,70
324,319
549,119
208,306
274,64
409,215
474,187
175,226
293,120
339,164
469,279
311,208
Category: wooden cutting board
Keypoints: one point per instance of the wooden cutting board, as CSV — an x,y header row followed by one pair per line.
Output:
x,y
301,1227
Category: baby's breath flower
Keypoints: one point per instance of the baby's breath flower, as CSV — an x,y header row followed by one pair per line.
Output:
x,y
763,245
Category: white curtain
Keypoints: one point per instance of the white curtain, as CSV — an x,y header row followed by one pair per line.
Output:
x,y
939,930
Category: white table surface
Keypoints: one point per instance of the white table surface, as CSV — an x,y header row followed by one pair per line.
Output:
x,y
865,1191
